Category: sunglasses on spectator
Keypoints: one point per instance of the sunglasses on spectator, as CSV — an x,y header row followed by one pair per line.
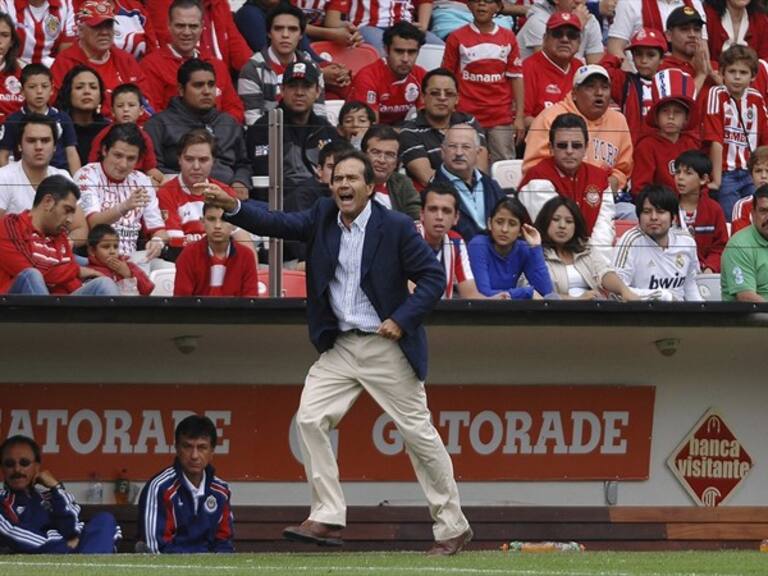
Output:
x,y
565,145
571,33
11,463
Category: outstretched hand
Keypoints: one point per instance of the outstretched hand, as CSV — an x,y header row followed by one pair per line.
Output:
x,y
215,196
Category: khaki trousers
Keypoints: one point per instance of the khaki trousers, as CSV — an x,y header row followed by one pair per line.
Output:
x,y
378,366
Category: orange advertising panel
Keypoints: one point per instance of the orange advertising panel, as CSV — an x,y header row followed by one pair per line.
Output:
x,y
491,432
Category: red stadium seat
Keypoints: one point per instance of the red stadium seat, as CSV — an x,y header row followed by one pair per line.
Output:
x,y
621,227
352,58
294,284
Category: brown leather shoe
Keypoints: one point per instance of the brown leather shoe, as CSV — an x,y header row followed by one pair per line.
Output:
x,y
452,545
315,533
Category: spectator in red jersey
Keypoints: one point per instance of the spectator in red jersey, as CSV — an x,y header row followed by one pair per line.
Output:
x,y
185,25
548,74
440,213
390,188
134,31
735,123
576,273
127,109
420,138
45,28
701,216
103,257
214,265
35,253
11,97
672,117
741,216
95,48
80,95
688,48
485,60
392,86
181,198
631,91
220,38
731,22
633,15
565,173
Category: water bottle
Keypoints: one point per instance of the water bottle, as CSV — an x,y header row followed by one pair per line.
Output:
x,y
95,493
122,487
542,547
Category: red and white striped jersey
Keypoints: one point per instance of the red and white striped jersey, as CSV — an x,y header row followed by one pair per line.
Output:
x,y
380,13
760,83
42,29
454,257
98,192
483,64
741,216
315,10
739,126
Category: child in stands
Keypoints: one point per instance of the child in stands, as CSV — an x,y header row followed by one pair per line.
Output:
x,y
104,258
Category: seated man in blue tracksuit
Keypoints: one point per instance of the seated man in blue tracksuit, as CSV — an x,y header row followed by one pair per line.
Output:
x,y
186,508
45,520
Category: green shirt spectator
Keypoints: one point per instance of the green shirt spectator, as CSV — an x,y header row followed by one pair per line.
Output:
x,y
744,276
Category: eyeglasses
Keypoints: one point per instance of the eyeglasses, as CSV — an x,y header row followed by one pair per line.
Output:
x,y
573,145
436,93
571,33
373,153
11,463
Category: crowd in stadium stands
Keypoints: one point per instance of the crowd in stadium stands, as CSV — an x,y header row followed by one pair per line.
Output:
x,y
646,117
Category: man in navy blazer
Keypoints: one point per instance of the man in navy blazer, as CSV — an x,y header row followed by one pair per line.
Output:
x,y
368,328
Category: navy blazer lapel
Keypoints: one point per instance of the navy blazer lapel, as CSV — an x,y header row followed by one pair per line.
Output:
x,y
373,234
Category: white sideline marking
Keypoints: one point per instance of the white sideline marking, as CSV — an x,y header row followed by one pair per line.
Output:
x,y
419,569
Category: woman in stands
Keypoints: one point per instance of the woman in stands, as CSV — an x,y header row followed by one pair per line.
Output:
x,y
500,257
11,98
576,273
80,96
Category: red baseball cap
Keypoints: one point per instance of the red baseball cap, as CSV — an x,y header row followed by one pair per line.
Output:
x,y
648,38
560,19
95,12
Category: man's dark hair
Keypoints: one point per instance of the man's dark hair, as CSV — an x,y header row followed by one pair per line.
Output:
x,y
514,207
382,132
334,148
197,136
566,121
441,189
660,197
126,88
404,30
35,70
368,174
98,232
35,118
544,218
21,440
761,192
190,67
57,186
354,106
437,72
207,207
290,10
196,426
696,161
184,4
128,133
64,98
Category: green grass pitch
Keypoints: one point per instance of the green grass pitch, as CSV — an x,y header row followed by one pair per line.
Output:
x,y
396,564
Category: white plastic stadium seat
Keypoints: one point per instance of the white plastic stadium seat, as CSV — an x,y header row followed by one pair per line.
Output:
x,y
709,287
430,56
507,173
332,109
163,280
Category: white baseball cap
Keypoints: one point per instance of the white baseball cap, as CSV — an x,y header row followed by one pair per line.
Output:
x,y
589,70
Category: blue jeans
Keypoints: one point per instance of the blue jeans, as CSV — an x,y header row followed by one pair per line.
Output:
x,y
375,37
735,185
31,281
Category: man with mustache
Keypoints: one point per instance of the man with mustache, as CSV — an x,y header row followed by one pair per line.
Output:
x,y
610,144
744,276
38,516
